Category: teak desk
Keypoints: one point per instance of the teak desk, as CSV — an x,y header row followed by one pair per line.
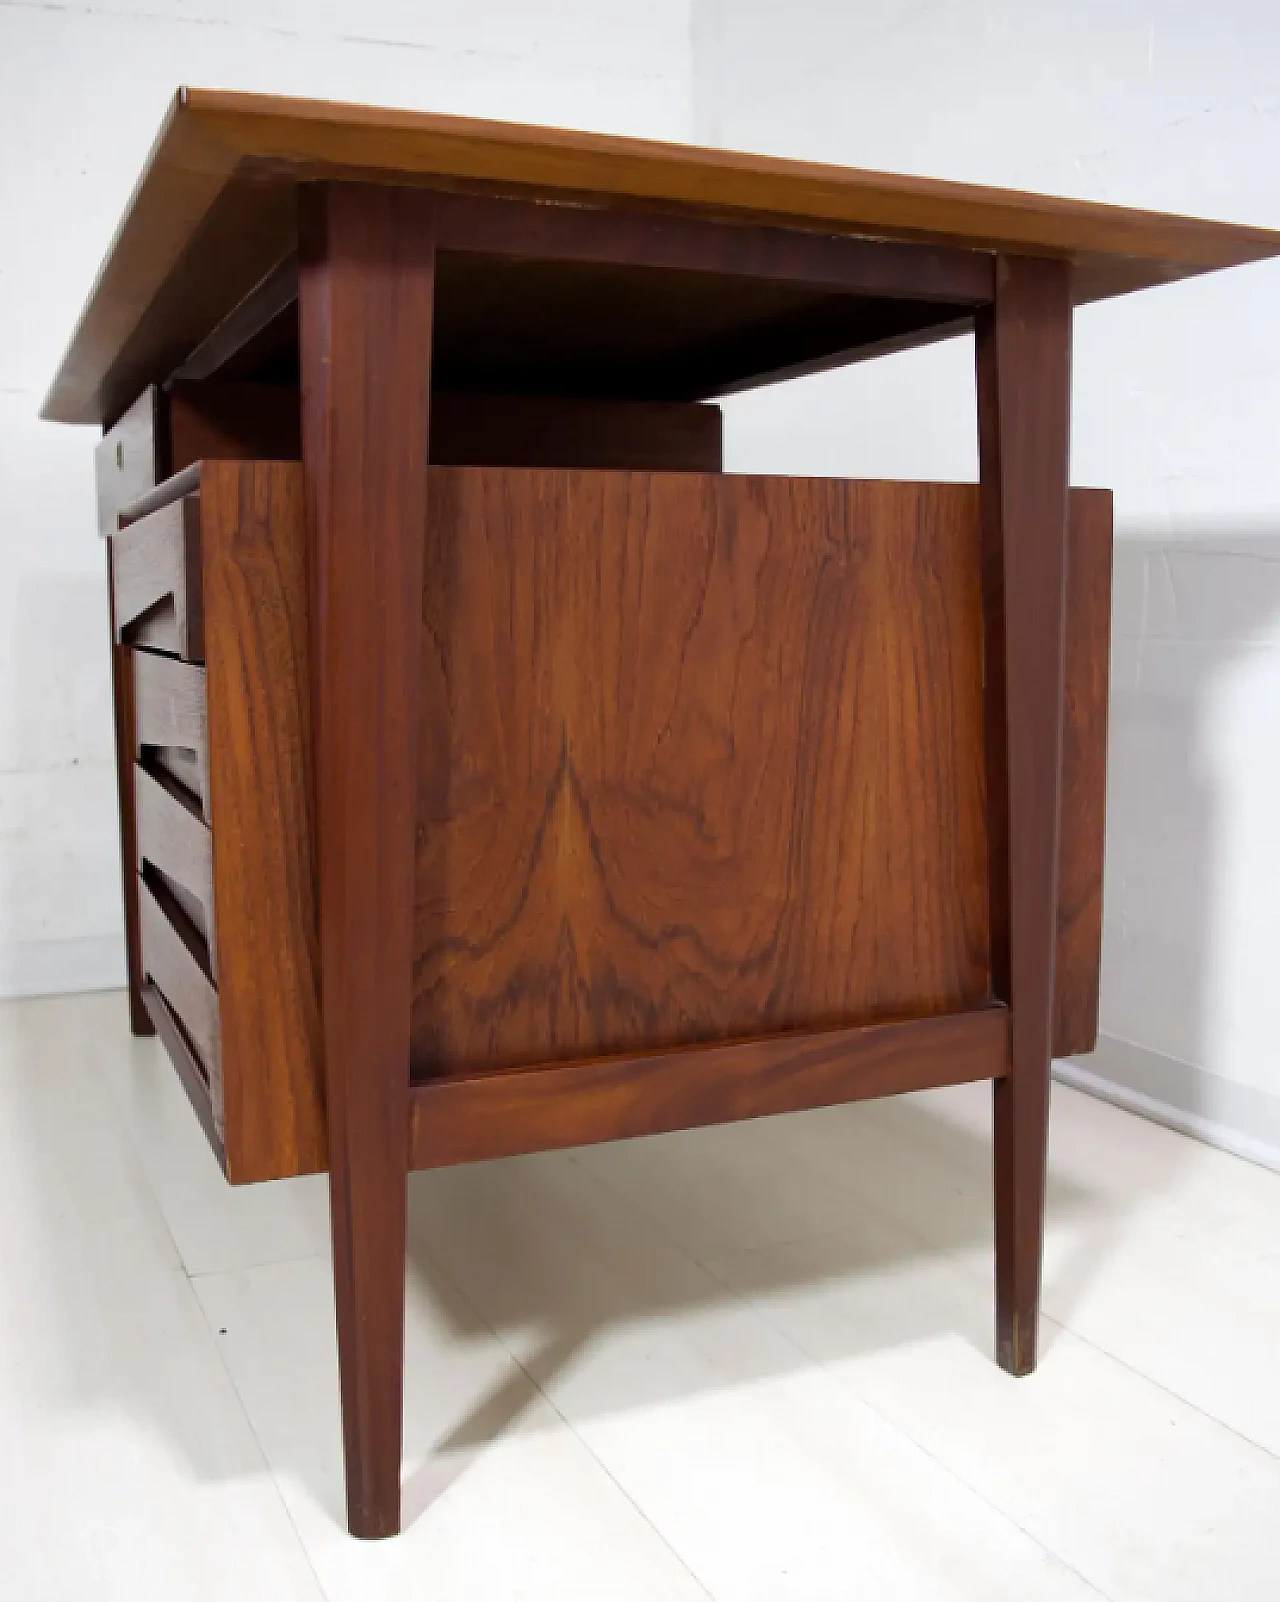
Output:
x,y
496,773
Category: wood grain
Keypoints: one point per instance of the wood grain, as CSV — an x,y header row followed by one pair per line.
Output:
x,y
175,840
260,775
156,579
190,1074
613,1098
367,265
170,714
176,960
1023,371
130,458
1078,961
685,741
234,422
557,431
214,213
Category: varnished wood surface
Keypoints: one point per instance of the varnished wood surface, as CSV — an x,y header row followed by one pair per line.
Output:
x,y
259,724
367,270
176,960
131,458
190,1074
700,757
214,214
176,841
170,719
157,581
1023,373
1078,960
554,431
122,696
613,1098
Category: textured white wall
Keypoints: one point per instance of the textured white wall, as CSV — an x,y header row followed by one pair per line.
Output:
x,y
1173,105
82,92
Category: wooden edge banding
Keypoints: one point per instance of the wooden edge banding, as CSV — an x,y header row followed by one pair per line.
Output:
x,y
614,1098
1082,841
187,482
175,959
175,1042
260,805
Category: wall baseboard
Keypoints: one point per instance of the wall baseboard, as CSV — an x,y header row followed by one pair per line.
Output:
x,y
61,967
1240,1119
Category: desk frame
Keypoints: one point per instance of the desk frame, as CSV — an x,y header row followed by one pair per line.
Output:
x,y
366,273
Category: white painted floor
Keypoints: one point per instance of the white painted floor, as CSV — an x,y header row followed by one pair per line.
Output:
x,y
744,1363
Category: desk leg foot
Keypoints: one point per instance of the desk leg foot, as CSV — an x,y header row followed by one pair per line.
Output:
x,y
1024,380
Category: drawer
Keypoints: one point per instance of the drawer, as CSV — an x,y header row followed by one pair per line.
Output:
x,y
156,574
175,842
175,960
171,723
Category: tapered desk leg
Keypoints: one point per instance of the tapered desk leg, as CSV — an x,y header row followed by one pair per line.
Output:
x,y
1024,362
366,291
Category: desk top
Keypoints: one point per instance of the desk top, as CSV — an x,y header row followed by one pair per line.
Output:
x,y
213,213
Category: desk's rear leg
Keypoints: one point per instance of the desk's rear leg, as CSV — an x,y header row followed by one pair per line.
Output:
x,y
1024,358
366,289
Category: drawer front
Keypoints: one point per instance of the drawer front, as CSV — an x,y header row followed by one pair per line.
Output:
x,y
175,842
175,960
171,723
157,581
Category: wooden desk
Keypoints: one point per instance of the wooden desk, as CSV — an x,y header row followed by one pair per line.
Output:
x,y
495,772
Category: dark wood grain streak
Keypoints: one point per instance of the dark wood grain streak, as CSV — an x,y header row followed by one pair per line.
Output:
x,y
367,261
1078,961
614,1098
684,740
260,787
1023,371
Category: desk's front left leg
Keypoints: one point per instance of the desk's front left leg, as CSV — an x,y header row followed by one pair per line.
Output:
x,y
367,257
1024,362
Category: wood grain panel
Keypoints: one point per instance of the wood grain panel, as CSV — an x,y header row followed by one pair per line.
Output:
x,y
700,758
255,583
176,960
572,1104
1084,772
175,840
171,723
156,577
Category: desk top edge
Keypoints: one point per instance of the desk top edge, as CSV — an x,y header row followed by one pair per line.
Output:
x,y
212,141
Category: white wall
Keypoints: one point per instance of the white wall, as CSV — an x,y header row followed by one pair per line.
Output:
x,y
1170,104
82,90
